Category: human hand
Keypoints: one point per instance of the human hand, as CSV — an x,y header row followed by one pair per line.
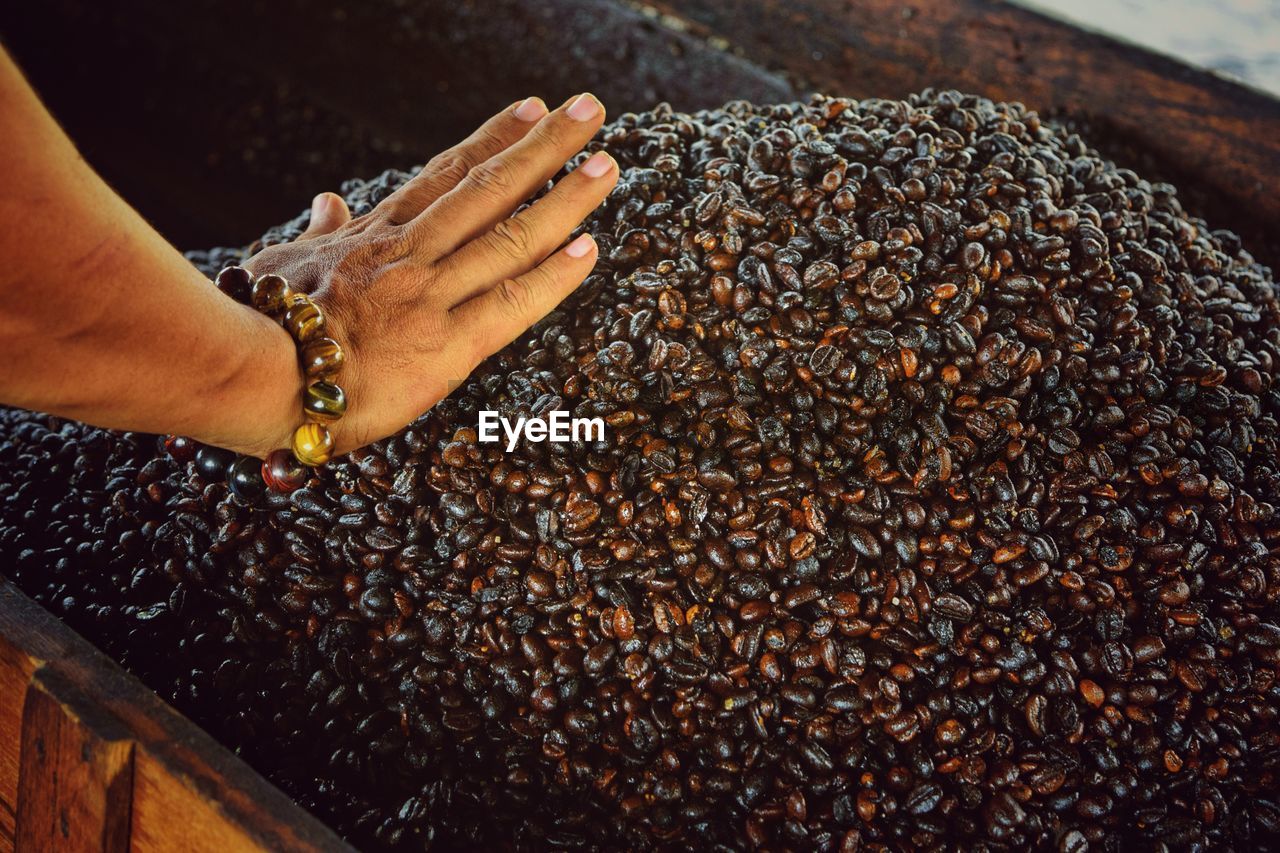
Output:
x,y
440,275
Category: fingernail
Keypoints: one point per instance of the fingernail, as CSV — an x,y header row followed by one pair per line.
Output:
x,y
579,247
531,109
585,108
597,165
319,205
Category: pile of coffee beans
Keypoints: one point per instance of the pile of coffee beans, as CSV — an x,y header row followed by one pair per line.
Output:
x,y
936,508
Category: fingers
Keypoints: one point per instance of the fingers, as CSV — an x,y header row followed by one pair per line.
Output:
x,y
521,242
498,316
329,212
492,189
449,167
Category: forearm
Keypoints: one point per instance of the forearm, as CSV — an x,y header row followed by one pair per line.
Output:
x,y
101,320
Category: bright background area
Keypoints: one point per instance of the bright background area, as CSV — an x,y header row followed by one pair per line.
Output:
x,y
1240,38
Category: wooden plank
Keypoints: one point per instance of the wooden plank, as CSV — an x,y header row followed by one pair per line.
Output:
x,y
16,669
171,754
1219,134
170,817
76,779
7,818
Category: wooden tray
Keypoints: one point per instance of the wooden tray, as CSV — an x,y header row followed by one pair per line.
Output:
x,y
91,760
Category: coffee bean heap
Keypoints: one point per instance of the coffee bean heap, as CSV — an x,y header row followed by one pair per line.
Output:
x,y
937,507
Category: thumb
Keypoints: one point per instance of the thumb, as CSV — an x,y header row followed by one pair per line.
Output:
x,y
328,213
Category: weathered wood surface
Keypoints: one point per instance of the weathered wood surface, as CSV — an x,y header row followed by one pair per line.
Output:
x,y
92,760
75,774
16,667
1210,131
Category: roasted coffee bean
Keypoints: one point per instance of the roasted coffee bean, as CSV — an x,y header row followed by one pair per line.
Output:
x,y
824,360
953,606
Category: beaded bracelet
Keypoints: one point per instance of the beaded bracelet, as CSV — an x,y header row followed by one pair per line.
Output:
x,y
323,400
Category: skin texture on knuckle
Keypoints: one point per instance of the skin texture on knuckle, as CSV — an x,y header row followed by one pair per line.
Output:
x,y
512,240
492,180
551,133
537,284
488,138
446,169
382,248
397,209
513,295
308,266
358,225
449,166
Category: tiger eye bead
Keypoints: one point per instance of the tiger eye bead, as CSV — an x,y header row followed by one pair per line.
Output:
x,y
295,298
324,401
312,444
269,294
236,282
282,472
304,321
322,358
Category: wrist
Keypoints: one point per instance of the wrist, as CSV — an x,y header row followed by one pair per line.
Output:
x,y
286,358
263,386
